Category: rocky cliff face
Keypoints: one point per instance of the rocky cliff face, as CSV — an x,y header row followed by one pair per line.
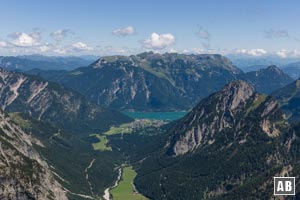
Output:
x,y
49,102
23,173
230,146
227,110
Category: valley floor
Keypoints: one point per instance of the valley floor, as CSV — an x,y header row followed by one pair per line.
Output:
x,y
124,187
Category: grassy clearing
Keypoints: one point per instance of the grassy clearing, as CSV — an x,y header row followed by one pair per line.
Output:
x,y
102,144
123,128
125,188
127,128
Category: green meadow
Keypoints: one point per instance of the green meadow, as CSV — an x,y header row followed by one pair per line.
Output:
x,y
125,189
102,144
103,141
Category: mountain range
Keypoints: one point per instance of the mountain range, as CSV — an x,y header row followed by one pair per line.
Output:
x,y
292,69
27,62
159,82
237,135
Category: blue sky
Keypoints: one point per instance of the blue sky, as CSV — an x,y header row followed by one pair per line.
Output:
x,y
253,27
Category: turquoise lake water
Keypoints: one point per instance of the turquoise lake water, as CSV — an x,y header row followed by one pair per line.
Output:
x,y
169,116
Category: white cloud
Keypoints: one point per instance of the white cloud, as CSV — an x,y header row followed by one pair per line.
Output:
x,y
283,53
198,51
25,39
251,52
60,34
60,51
129,30
172,50
45,47
80,46
159,41
3,44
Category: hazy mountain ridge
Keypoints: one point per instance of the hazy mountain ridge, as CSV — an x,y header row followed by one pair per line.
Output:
x,y
268,80
292,69
23,63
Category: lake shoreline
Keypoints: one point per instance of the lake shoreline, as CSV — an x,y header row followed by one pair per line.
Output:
x,y
165,116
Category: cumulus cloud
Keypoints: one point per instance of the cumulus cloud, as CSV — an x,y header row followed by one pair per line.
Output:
x,y
251,52
129,30
205,36
80,46
25,39
60,34
45,47
159,41
283,53
274,33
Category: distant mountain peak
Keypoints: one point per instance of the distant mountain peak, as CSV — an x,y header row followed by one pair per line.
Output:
x,y
275,69
235,93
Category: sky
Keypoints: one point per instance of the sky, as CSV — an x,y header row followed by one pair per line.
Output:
x,y
107,27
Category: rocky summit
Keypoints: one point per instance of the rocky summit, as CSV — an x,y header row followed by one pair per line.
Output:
x,y
226,110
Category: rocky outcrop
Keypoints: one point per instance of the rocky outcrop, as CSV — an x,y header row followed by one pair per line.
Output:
x,y
225,111
23,173
52,103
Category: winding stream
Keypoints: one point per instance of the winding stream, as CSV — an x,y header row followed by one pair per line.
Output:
x,y
106,195
87,175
